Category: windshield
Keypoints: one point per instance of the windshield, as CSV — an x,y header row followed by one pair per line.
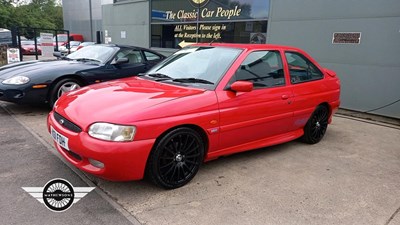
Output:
x,y
61,38
196,65
5,37
98,53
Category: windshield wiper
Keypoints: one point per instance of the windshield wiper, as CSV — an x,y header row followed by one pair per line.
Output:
x,y
87,59
192,80
158,75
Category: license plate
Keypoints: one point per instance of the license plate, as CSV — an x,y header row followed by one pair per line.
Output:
x,y
59,138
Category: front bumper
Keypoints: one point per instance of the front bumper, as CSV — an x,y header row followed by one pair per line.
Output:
x,y
122,161
23,94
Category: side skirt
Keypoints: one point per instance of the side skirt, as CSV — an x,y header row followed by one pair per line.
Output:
x,y
274,140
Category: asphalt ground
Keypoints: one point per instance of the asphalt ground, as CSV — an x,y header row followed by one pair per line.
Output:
x,y
350,177
26,162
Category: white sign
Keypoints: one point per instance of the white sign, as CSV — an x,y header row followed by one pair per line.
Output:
x,y
13,55
46,43
123,34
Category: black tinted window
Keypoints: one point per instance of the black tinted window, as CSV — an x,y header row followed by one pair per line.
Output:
x,y
263,68
301,69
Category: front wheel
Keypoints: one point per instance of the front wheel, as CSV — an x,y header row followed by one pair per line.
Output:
x,y
176,158
61,87
316,126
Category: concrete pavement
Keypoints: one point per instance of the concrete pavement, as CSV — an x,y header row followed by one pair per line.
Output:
x,y
351,177
26,162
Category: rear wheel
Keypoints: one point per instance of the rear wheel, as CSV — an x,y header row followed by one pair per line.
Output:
x,y
176,158
316,126
61,87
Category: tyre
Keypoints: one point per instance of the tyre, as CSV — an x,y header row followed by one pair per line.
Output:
x,y
316,126
61,87
176,158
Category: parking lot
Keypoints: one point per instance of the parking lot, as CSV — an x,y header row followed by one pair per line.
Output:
x,y
350,177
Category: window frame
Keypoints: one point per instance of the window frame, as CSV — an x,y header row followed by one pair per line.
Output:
x,y
151,60
308,61
280,63
142,56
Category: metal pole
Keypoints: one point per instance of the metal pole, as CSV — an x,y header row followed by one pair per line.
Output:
x,y
19,44
91,20
56,42
35,40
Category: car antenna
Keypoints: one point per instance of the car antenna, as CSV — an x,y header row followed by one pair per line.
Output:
x,y
212,41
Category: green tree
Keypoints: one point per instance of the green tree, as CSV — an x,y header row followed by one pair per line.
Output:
x,y
6,13
46,14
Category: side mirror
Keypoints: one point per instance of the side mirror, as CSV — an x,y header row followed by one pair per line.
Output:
x,y
57,54
242,86
121,61
330,72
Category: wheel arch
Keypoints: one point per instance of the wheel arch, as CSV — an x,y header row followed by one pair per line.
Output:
x,y
70,76
326,104
196,128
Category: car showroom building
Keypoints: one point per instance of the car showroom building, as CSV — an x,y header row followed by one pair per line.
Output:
x,y
358,39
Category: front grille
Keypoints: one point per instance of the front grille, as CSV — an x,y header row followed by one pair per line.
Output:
x,y
66,123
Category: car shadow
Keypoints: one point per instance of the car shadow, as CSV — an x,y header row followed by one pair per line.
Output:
x,y
241,160
27,110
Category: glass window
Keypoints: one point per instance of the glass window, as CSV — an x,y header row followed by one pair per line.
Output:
x,y
177,21
170,35
134,56
151,56
93,52
301,69
194,65
263,68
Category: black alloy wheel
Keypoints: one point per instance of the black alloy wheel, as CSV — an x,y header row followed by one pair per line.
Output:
x,y
316,126
176,158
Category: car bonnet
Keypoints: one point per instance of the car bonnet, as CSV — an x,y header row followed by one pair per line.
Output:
x,y
122,101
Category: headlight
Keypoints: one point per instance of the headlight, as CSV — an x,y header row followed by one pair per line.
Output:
x,y
112,132
17,80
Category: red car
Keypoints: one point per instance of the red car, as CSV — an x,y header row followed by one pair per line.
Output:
x,y
203,102
28,48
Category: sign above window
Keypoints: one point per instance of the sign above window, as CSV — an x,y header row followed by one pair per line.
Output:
x,y
208,10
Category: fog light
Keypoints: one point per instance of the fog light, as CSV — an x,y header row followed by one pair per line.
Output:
x,y
96,163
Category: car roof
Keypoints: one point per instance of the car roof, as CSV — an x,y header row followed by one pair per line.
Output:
x,y
248,46
121,46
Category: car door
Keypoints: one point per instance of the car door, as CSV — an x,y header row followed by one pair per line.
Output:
x,y
114,70
265,111
135,65
307,84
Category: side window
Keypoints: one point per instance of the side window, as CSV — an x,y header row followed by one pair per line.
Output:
x,y
151,56
134,56
263,68
301,69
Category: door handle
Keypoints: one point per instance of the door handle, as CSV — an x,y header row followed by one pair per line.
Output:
x,y
284,97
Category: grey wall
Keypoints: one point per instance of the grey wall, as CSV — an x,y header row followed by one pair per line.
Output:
x,y
369,71
76,15
132,17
